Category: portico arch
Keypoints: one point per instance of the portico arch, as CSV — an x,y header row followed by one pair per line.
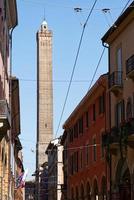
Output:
x,y
123,180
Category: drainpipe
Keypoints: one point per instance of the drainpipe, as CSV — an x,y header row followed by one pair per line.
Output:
x,y
109,96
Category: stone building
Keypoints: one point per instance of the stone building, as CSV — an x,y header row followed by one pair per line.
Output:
x,y
44,96
119,40
64,143
55,169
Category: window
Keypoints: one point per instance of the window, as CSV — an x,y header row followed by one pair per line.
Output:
x,y
87,154
81,125
102,149
102,104
72,194
130,64
87,119
94,113
5,160
5,9
119,66
76,130
2,154
81,159
77,193
119,59
119,113
94,149
76,161
71,165
65,153
71,135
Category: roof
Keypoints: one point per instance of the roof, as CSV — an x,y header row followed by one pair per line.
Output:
x,y
53,143
117,23
15,106
14,13
85,98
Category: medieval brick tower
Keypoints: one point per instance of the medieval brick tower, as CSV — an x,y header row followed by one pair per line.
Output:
x,y
44,93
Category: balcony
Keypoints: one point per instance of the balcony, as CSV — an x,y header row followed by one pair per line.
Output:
x,y
115,82
5,119
130,67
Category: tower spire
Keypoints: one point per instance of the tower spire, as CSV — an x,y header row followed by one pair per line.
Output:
x,y
44,15
44,23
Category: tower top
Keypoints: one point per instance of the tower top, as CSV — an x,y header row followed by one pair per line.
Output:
x,y
44,25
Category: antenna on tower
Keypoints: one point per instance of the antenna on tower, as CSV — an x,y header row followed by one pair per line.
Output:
x,y
44,18
44,23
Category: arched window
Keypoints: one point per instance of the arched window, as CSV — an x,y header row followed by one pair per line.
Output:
x,y
2,157
103,188
82,192
72,194
95,190
5,160
88,191
76,193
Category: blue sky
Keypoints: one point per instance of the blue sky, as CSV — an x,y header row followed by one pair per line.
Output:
x,y
66,25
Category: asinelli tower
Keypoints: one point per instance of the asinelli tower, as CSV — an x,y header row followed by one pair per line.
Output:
x,y
44,94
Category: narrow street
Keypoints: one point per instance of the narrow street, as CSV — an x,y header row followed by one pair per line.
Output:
x,y
66,100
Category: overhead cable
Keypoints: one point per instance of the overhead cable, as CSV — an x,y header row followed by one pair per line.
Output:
x,y
75,62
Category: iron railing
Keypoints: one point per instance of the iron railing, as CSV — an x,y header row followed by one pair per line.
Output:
x,y
115,79
5,117
130,64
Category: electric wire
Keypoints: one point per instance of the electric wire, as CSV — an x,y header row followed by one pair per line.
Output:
x,y
104,48
101,56
58,80
125,7
69,148
66,6
74,66
47,81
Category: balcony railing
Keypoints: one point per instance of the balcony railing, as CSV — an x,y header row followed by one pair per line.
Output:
x,y
5,119
115,81
130,67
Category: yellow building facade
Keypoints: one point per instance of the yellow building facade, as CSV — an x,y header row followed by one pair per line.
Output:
x,y
119,40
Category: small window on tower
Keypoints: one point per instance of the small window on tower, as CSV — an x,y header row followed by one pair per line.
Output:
x,y
45,125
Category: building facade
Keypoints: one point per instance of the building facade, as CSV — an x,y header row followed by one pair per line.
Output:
x,y
8,21
87,169
55,169
19,171
64,143
120,42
